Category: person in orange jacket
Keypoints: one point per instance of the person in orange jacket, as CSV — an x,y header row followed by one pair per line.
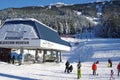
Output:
x,y
94,68
118,68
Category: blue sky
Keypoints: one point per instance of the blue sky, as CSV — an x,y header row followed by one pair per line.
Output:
x,y
22,3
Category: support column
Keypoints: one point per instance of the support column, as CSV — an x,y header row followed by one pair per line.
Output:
x,y
51,53
36,55
21,56
44,56
60,57
57,56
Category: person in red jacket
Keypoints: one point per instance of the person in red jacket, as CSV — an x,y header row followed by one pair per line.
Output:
x,y
94,68
118,68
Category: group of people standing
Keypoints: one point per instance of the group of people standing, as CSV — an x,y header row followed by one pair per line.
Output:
x,y
94,68
18,58
68,67
112,72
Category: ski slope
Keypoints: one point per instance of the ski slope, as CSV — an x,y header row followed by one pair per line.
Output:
x,y
87,51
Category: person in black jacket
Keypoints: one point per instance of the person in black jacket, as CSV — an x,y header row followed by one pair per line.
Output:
x,y
67,66
70,68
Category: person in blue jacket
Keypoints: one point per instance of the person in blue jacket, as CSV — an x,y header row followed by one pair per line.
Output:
x,y
19,59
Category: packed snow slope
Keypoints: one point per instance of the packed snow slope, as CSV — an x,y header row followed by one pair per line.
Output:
x,y
96,49
87,51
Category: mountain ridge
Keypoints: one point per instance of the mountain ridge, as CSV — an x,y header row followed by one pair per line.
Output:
x,y
65,19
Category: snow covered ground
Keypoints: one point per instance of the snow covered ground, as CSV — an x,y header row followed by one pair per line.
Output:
x,y
88,51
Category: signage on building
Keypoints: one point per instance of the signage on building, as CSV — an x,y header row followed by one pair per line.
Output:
x,y
13,42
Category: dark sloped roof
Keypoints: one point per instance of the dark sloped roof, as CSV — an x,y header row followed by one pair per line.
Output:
x,y
49,34
43,31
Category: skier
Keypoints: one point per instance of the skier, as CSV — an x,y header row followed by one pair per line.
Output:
x,y
70,68
19,59
67,66
94,68
118,68
97,62
111,75
13,59
79,72
109,63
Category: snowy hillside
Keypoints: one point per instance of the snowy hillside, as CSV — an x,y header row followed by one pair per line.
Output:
x,y
88,51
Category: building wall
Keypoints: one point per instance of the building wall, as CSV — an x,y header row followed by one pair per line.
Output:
x,y
5,54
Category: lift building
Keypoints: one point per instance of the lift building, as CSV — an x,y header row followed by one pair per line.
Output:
x,y
31,34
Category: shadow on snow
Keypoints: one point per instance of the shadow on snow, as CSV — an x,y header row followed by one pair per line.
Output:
x,y
15,77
